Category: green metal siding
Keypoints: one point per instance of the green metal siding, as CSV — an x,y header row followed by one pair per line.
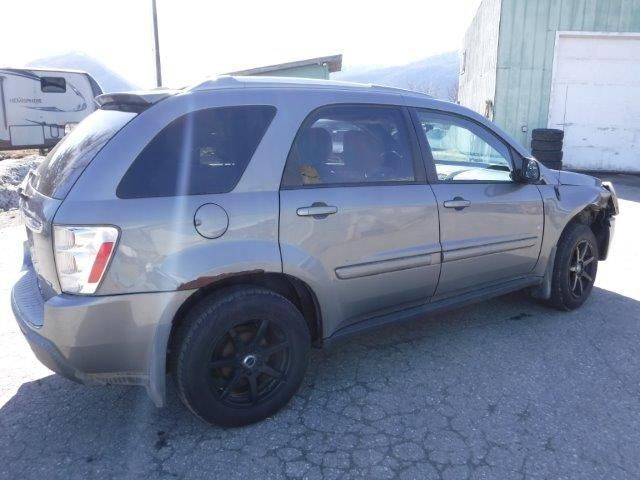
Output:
x,y
526,50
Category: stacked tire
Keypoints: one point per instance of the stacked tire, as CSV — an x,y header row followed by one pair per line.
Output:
x,y
546,147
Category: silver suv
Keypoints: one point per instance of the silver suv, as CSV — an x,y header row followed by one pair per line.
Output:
x,y
217,232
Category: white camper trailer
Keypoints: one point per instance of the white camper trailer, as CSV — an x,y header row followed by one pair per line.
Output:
x,y
37,104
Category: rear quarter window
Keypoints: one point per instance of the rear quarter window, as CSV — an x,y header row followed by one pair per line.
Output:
x,y
58,172
202,152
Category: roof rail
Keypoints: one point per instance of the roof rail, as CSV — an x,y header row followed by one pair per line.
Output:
x,y
217,82
386,88
228,81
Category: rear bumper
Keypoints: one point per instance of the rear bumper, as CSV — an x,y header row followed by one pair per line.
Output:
x,y
118,339
28,309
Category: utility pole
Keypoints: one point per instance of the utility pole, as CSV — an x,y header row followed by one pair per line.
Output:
x,y
157,44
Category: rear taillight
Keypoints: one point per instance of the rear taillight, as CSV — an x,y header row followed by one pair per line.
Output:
x,y
82,256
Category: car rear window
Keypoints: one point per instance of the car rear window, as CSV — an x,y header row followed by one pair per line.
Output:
x,y
202,152
58,172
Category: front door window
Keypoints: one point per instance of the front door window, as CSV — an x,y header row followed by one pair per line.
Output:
x,y
464,151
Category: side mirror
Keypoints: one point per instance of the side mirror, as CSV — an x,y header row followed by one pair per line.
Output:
x,y
530,171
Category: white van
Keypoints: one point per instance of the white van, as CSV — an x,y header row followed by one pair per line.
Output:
x,y
37,104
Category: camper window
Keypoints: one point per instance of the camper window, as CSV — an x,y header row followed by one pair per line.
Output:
x,y
53,84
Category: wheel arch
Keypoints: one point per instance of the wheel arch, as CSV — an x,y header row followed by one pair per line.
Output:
x,y
592,204
595,215
598,219
292,288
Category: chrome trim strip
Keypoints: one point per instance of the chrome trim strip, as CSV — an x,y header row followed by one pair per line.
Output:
x,y
488,248
384,266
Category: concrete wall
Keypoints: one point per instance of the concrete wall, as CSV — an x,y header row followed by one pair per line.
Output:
x,y
526,51
307,71
479,58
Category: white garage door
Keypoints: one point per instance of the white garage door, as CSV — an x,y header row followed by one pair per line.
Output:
x,y
595,99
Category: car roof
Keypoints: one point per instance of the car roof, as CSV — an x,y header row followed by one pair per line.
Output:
x,y
257,82
415,99
300,85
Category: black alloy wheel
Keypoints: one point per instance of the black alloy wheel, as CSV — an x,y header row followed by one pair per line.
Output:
x,y
249,362
575,267
239,355
581,269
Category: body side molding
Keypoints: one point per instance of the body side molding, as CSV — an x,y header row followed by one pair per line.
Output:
x,y
384,266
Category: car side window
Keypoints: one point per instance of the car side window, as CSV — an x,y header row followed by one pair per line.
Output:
x,y
464,151
350,144
202,152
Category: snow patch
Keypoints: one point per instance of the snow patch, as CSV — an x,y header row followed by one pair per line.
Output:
x,y
12,172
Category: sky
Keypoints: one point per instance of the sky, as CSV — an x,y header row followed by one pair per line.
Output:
x,y
206,38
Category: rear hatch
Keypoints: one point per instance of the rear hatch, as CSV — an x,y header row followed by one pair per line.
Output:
x,y
44,189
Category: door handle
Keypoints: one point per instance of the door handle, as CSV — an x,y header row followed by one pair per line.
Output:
x,y
317,210
458,203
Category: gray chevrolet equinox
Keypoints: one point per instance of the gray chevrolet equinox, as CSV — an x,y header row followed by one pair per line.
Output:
x,y
216,233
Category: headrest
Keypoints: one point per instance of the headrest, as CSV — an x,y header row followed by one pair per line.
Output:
x,y
315,145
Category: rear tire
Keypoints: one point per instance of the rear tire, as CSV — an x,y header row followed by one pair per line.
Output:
x,y
542,145
553,165
575,267
547,156
240,356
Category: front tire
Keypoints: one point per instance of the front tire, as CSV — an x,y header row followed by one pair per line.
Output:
x,y
241,354
575,268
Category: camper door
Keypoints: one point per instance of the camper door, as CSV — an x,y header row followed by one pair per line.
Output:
x,y
4,122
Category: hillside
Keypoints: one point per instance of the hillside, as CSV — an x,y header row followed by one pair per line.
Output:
x,y
109,80
437,75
